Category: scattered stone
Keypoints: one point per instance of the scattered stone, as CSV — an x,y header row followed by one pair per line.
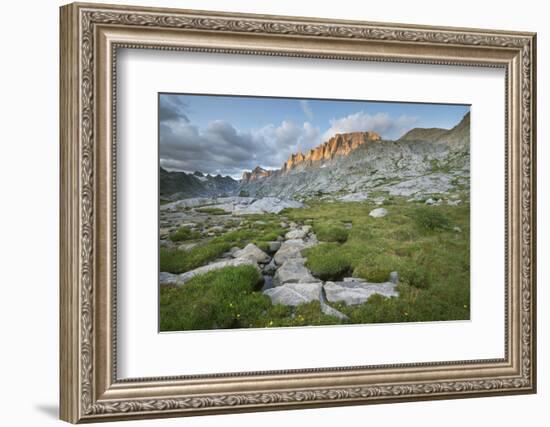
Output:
x,y
379,200
433,202
283,225
454,202
294,293
354,293
296,234
187,246
293,271
457,229
252,252
185,277
378,213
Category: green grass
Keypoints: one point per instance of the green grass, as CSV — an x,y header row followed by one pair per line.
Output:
x,y
212,211
416,241
176,261
330,231
252,232
217,300
228,298
183,234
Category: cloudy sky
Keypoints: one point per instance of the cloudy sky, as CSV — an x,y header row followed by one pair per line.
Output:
x,y
231,134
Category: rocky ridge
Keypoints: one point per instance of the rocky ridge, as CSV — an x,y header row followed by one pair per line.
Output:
x,y
421,163
180,185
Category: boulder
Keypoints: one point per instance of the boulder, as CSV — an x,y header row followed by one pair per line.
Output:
x,y
378,213
267,205
289,249
299,233
454,202
293,271
394,277
185,277
294,293
354,293
274,246
253,252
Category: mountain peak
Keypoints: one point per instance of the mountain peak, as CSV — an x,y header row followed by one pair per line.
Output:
x,y
341,144
256,173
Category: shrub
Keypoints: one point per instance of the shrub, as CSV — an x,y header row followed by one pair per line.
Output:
x,y
184,233
244,193
330,232
431,219
327,263
372,273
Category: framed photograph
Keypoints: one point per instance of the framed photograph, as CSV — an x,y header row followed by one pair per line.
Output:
x,y
267,212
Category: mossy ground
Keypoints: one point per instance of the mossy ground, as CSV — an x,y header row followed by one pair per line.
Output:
x,y
427,245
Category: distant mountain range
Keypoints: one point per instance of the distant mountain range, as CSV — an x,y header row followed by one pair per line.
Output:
x,y
181,185
423,161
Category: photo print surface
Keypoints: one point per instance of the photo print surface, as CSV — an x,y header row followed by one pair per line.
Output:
x,y
286,212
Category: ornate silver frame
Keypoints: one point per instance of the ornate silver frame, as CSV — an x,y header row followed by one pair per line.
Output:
x,y
90,36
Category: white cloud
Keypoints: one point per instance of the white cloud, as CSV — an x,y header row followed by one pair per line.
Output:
x,y
222,148
382,123
306,108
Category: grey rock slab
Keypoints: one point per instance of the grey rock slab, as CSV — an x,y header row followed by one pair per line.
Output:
x,y
168,278
354,293
378,213
294,293
328,310
185,277
267,205
354,197
289,249
293,271
253,252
